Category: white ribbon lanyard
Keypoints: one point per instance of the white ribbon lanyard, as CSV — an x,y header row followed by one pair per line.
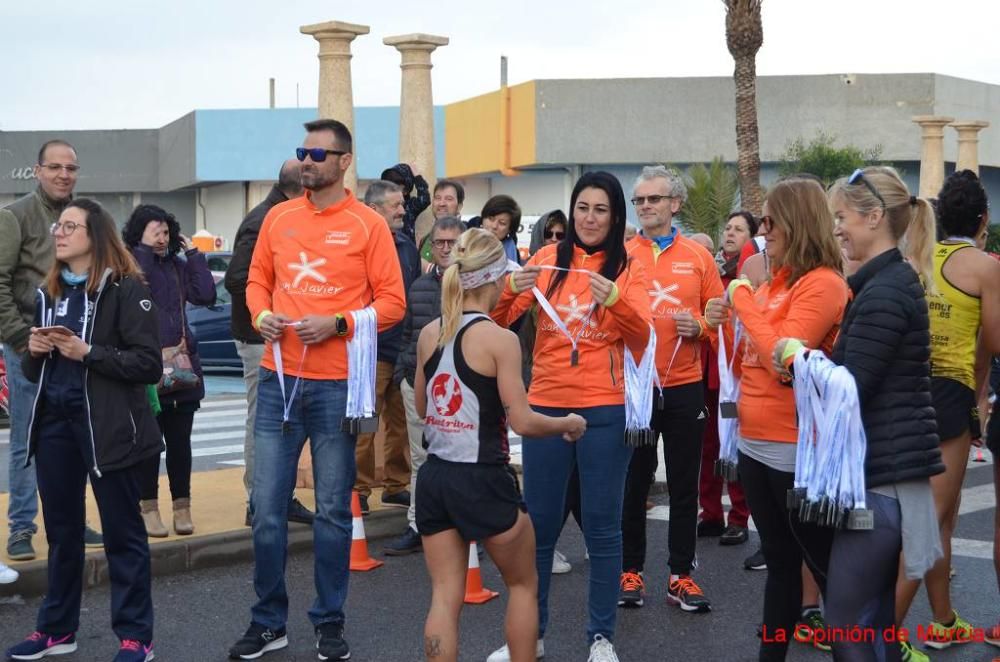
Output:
x,y
967,240
280,369
640,381
362,354
574,357
729,393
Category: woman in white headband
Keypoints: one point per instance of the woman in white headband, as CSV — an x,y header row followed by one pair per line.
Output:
x,y
468,387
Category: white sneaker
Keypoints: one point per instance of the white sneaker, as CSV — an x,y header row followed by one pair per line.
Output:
x,y
560,566
602,650
7,574
502,654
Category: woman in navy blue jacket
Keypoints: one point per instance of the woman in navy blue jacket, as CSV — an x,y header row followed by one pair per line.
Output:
x,y
154,237
92,351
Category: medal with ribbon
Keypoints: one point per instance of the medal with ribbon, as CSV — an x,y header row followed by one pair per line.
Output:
x,y
362,352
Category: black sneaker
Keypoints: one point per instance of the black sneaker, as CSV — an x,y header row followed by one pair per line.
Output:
x,y
686,594
92,538
19,547
408,543
365,510
631,594
257,641
397,500
755,561
710,529
734,535
299,513
330,642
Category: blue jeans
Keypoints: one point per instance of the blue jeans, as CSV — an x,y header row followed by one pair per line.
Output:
x,y
23,506
602,459
316,415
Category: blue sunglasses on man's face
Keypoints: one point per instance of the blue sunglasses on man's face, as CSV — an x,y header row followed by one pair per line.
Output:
x,y
859,176
317,154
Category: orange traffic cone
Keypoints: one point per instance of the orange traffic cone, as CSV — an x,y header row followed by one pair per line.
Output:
x,y
979,455
475,593
359,544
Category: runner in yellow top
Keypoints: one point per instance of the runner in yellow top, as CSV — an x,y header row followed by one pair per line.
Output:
x,y
965,330
955,316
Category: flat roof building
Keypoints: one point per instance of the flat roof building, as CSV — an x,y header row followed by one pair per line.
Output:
x,y
530,141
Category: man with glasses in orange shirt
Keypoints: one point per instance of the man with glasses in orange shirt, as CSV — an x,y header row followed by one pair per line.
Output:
x,y
682,277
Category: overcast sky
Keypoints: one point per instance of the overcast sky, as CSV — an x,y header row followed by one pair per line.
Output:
x,y
103,64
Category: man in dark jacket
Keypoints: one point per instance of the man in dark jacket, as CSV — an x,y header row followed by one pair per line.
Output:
x,y
249,344
423,305
387,199
26,254
406,177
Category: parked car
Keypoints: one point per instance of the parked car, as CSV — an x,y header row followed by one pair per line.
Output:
x,y
210,325
218,260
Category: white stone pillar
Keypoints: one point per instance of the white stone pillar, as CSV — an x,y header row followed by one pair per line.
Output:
x,y
968,143
932,153
416,105
336,97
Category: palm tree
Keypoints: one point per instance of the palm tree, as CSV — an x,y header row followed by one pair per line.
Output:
x,y
744,36
711,196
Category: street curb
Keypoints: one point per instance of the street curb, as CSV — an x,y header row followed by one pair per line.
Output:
x,y
194,553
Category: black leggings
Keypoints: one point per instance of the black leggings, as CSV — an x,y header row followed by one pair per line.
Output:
x,y
175,426
862,581
786,542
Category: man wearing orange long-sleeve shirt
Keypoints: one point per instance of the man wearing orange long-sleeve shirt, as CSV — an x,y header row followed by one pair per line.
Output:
x,y
317,259
682,277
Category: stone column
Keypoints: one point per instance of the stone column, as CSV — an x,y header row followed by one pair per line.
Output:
x,y
968,143
932,154
416,105
336,99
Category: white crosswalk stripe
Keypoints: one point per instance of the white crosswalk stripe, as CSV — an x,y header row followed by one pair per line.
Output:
x,y
219,429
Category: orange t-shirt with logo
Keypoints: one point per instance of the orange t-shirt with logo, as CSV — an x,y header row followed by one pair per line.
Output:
x,y
598,379
681,278
311,261
810,310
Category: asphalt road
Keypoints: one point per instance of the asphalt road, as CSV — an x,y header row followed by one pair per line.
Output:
x,y
200,615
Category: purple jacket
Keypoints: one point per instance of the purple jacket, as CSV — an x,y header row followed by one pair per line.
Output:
x,y
164,275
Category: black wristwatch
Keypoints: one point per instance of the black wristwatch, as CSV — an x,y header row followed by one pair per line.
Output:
x,y
341,325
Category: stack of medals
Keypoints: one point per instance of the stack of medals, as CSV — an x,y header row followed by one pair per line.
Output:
x,y
362,353
830,462
640,381
729,394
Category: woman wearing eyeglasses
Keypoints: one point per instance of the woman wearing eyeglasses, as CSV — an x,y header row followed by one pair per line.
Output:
x,y
599,305
93,349
964,331
550,228
805,298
